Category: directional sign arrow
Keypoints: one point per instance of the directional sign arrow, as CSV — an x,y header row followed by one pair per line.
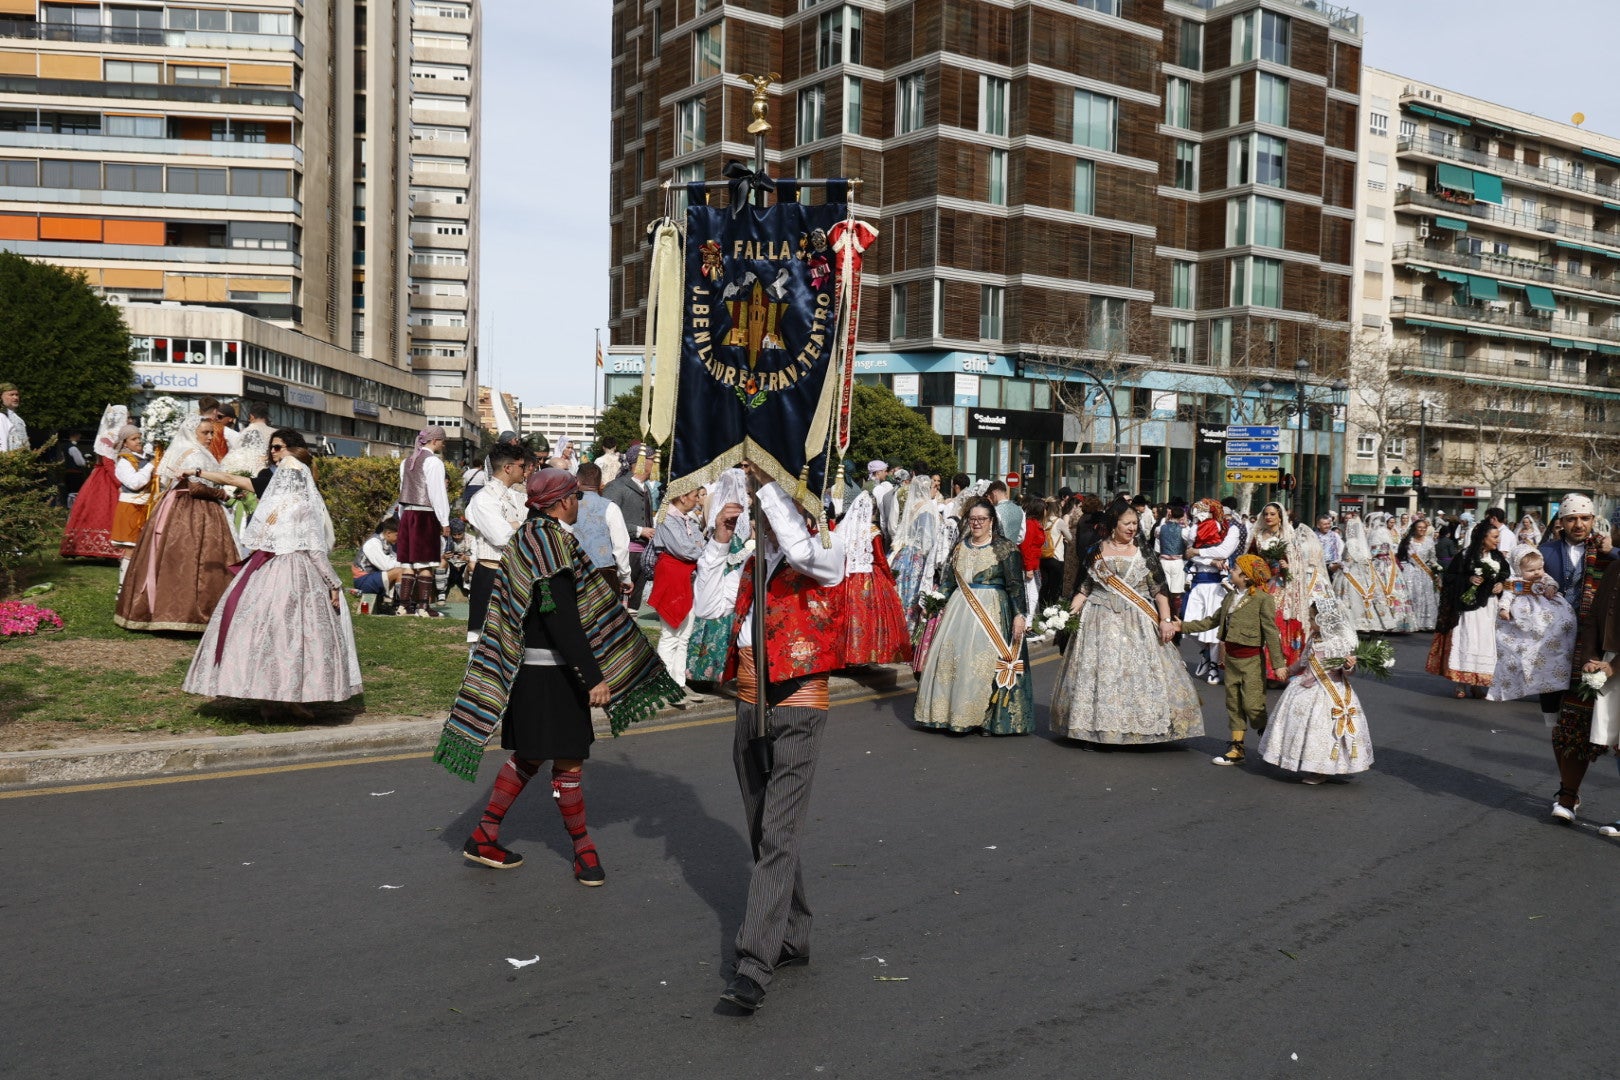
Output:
x,y
1236,432
1251,476
1253,461
1254,446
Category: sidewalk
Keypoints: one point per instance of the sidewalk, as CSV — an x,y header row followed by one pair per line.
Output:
x,y
170,757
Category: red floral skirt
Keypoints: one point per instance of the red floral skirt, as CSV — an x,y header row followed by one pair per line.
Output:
x,y
875,630
89,526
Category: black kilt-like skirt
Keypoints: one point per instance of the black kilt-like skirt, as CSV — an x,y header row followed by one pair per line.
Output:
x,y
548,716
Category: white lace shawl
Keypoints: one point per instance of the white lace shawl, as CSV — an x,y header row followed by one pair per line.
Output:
x,y
1356,550
185,453
730,486
112,419
292,515
250,454
856,529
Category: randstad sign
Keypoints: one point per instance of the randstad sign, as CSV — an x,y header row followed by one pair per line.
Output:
x,y
184,379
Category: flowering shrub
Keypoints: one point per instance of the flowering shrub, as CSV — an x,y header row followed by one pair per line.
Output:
x,y
18,619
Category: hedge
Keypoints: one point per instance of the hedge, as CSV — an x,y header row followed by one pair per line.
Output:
x,y
359,492
28,522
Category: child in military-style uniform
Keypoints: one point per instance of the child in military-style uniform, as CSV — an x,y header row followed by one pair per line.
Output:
x,y
1247,622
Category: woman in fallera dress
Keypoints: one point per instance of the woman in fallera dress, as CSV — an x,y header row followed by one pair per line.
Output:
x,y
1123,681
977,677
1420,574
1464,648
1386,573
89,525
281,634
1318,729
180,567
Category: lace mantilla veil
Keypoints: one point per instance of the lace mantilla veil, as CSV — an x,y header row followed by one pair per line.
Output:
x,y
292,515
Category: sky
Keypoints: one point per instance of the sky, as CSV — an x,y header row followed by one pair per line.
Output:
x,y
544,228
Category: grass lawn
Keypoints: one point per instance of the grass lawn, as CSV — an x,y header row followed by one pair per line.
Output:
x,y
93,682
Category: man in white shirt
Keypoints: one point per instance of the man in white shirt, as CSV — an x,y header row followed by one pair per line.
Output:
x,y
494,514
13,432
375,569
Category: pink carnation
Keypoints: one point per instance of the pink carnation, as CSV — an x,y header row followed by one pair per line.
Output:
x,y
18,619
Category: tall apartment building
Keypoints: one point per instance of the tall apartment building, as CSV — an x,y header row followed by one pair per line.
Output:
x,y
445,65
577,422
1172,183
1488,300
245,158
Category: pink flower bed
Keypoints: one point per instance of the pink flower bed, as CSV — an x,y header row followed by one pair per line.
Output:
x,y
18,619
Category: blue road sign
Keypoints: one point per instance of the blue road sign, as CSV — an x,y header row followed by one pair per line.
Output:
x,y
1253,461
1235,432
1254,446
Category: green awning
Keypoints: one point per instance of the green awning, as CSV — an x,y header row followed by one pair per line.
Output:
x,y
1437,114
1483,288
1601,156
1541,298
1583,247
1609,350
1451,223
1487,188
1427,325
1563,343
1611,206
1452,276
1454,177
1419,109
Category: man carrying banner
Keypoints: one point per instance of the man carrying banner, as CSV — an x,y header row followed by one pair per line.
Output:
x,y
803,625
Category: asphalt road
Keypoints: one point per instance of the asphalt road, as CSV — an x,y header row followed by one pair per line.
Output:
x,y
1006,907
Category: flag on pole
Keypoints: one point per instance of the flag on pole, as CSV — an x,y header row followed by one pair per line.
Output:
x,y
598,350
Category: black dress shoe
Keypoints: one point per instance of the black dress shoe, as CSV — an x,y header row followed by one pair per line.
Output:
x,y
744,993
789,958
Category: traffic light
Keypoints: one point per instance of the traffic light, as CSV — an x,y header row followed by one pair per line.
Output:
x,y
1287,482
1417,481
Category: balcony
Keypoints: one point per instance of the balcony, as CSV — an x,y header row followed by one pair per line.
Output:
x,y
1565,328
208,95
1338,18
61,249
1490,212
1566,181
132,144
141,35
1505,267
1508,369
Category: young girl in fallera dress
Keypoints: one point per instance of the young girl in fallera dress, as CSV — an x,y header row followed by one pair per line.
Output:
x,y
1318,728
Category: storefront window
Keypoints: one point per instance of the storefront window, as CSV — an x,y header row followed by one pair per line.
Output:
x,y
1016,394
990,392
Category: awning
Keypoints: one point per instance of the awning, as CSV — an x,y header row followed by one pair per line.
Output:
x,y
1563,343
1609,350
1452,276
1454,177
1453,118
1611,206
1454,224
1583,247
1541,298
1483,288
1487,188
1601,156
1427,325
1419,109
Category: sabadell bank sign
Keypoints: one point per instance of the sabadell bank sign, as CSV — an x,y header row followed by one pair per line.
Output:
x,y
186,379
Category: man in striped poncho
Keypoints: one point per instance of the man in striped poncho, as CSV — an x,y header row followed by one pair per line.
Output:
x,y
556,643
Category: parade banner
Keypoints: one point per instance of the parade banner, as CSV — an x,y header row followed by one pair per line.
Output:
x,y
759,333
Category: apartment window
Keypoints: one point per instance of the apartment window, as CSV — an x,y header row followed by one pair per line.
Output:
x,y
1366,446
244,131
1408,129
939,308
804,168
1220,342
1190,45
209,19
1105,7
1237,221
1085,187
441,72
140,127
82,175
852,105
19,174
993,104
1181,284
1106,325
1270,160
1181,339
839,39
685,174
438,164
430,133
897,312
1234,110
910,100
1396,448
691,124
991,299
1378,124
188,181
429,257
126,71
1262,33
708,51
1271,99
267,22
1178,102
1256,281
193,75
423,40
265,183
440,102
1377,176
812,105
1238,160
657,31
133,177
998,177
1372,231
1186,165
1566,459
1094,120
265,235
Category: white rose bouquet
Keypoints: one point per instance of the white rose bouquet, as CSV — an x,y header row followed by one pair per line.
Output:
x,y
161,419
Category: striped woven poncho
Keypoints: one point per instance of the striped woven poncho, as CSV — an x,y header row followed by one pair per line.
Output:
x,y
541,550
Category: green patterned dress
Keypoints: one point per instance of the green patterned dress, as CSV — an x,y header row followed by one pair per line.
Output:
x,y
957,691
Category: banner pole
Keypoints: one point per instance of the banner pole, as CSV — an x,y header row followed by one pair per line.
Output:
x,y
760,745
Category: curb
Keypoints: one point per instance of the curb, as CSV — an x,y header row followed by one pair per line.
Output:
x,y
209,753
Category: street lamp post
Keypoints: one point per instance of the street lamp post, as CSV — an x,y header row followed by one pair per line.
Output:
x,y
1298,409
1114,478
1423,447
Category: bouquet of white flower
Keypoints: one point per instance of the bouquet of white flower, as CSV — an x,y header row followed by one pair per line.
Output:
x,y
1052,621
1374,658
1592,684
932,603
161,419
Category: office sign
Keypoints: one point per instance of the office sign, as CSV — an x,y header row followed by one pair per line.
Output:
x,y
366,408
908,387
305,399
255,387
185,379
1014,424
